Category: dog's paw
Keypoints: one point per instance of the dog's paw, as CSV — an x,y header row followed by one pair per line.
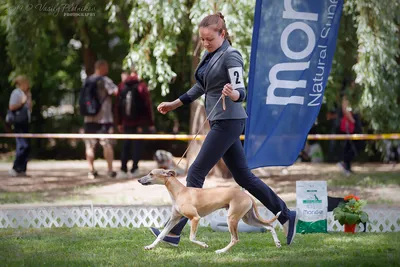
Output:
x,y
201,244
149,247
219,251
204,245
278,244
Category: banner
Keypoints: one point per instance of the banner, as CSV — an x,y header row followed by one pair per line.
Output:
x,y
292,50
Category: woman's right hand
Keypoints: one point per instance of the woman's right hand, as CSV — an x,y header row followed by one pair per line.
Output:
x,y
165,107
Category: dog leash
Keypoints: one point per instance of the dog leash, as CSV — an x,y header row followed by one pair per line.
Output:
x,y
201,127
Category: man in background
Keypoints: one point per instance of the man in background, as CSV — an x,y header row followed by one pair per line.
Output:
x,y
103,121
134,116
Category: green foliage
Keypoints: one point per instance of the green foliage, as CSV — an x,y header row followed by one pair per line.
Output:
x,y
378,68
350,212
5,71
343,61
157,29
53,49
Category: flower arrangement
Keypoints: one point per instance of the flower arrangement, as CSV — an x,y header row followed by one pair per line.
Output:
x,y
350,212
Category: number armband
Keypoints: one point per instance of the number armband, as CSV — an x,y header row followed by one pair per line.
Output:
x,y
236,76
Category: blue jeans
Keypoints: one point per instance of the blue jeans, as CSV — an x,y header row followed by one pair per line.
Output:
x,y
223,141
22,148
131,149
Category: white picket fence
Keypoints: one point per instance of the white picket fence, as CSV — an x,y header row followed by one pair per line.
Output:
x,y
385,220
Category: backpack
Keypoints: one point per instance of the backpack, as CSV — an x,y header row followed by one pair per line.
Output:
x,y
131,103
19,116
89,102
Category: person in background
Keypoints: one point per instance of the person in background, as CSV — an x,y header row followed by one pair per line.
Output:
x,y
124,76
134,116
21,101
347,126
103,121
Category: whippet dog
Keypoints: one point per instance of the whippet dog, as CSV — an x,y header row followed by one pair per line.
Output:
x,y
194,203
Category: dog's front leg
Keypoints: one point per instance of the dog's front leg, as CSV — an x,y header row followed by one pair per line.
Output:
x,y
191,213
175,217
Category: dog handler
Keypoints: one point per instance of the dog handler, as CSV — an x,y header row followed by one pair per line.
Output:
x,y
221,72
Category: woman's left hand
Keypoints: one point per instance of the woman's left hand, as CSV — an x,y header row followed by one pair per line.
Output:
x,y
229,91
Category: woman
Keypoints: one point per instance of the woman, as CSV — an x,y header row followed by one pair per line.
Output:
x,y
221,72
347,126
21,101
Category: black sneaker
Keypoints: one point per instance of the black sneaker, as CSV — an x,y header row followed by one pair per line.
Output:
x,y
111,174
172,240
92,174
14,173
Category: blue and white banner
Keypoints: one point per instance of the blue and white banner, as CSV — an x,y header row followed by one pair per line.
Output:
x,y
292,50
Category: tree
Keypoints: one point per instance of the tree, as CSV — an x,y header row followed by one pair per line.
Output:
x,y
165,46
377,67
53,49
161,38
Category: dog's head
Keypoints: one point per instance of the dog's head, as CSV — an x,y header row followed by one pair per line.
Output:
x,y
157,176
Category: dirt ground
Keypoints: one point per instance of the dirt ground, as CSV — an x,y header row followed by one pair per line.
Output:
x,y
65,182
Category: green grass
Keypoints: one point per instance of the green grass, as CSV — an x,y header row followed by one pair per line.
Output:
x,y
41,196
124,247
21,197
378,179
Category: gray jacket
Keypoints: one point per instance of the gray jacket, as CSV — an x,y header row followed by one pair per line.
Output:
x,y
226,66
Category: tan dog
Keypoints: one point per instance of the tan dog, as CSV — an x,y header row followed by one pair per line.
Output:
x,y
194,203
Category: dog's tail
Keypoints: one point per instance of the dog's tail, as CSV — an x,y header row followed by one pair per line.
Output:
x,y
255,209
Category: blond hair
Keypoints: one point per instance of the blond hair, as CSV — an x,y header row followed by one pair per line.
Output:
x,y
20,79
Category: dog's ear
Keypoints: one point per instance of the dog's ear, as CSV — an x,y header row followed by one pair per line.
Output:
x,y
171,173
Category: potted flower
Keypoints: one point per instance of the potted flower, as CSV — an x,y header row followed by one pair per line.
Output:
x,y
350,213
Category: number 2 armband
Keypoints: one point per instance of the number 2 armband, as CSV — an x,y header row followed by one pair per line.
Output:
x,y
236,78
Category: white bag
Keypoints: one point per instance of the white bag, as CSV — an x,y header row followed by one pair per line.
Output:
x,y
312,206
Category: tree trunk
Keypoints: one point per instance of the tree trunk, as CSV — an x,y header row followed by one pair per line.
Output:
x,y
89,56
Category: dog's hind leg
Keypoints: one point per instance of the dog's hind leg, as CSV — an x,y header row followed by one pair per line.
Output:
x,y
251,219
175,217
237,209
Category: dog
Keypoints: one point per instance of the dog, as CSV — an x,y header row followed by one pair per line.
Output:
x,y
194,203
165,160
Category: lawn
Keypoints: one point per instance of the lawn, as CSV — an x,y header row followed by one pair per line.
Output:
x,y
124,247
366,180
